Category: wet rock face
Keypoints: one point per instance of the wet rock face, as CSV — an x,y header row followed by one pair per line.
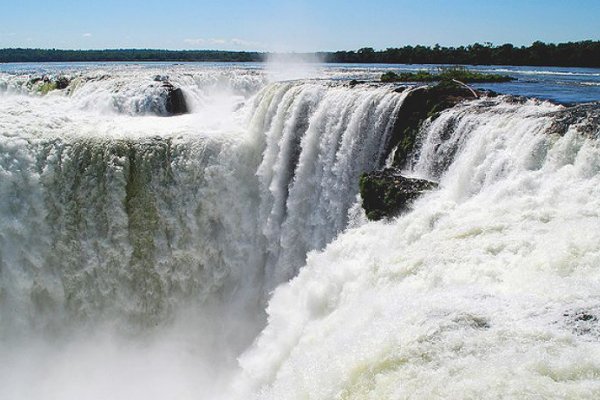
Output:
x,y
585,117
62,82
387,193
424,102
175,103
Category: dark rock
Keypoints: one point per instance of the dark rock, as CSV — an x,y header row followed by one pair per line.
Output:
x,y
354,82
585,317
583,321
387,193
175,103
419,104
487,92
62,82
97,78
586,118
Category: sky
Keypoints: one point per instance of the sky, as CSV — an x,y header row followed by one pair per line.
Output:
x,y
292,26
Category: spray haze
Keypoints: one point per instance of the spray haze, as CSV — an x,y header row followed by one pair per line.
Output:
x,y
293,66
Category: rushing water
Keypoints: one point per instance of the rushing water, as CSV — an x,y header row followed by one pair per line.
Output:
x,y
488,289
138,252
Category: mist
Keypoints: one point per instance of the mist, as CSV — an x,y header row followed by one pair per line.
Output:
x,y
293,66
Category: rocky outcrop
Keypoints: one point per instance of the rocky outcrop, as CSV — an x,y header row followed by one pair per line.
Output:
x,y
170,99
62,82
420,104
46,84
387,193
584,117
175,103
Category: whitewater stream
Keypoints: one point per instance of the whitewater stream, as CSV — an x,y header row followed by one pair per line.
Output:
x,y
224,253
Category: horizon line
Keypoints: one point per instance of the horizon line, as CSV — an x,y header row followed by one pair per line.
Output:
x,y
484,43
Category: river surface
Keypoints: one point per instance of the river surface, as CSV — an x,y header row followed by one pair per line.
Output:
x,y
559,84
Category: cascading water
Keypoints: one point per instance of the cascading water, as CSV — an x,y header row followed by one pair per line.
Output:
x,y
132,243
138,252
487,289
318,142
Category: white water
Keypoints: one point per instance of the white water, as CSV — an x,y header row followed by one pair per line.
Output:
x,y
137,252
477,293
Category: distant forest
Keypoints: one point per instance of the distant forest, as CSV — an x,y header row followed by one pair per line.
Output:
x,y
572,54
134,55
577,54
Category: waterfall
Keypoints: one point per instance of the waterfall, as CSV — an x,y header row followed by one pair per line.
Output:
x,y
318,141
119,225
222,253
134,226
487,289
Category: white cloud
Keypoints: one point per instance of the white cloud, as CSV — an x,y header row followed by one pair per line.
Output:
x,y
194,42
87,34
245,43
205,42
225,43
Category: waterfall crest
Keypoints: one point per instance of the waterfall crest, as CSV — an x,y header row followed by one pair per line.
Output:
x,y
130,219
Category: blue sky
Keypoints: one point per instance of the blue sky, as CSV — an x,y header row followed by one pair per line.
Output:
x,y
286,25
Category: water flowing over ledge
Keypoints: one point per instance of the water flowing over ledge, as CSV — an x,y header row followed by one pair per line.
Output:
x,y
134,242
489,288
156,228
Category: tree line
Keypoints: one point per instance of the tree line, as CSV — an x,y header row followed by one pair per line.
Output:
x,y
571,54
134,55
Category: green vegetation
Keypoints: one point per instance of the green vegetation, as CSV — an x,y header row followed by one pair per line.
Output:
x,y
46,87
572,54
420,76
132,55
444,74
